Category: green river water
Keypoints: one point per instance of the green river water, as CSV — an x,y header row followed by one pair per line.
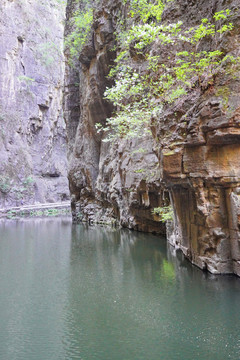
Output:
x,y
92,293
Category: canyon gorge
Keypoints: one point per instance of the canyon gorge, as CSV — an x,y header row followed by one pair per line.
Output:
x,y
49,109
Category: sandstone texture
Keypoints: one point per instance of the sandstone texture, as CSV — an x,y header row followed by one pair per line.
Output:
x,y
33,165
192,157
199,159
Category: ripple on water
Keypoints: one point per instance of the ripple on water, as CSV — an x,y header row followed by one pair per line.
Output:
x,y
73,292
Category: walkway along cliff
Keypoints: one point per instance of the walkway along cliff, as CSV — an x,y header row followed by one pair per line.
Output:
x,y
191,157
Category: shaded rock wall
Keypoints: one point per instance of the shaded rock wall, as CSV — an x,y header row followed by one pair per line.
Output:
x,y
71,98
191,157
109,183
33,165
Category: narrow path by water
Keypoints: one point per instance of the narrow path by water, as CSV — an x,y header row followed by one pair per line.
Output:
x,y
27,209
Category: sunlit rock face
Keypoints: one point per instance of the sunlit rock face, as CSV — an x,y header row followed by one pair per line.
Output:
x,y
192,156
203,179
33,166
200,158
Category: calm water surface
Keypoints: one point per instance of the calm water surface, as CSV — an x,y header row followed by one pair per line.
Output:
x,y
73,292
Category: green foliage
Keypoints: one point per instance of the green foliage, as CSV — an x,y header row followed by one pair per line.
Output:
x,y
28,181
146,10
165,213
140,92
11,214
222,15
139,171
224,92
24,188
168,270
82,22
141,150
52,212
25,79
14,214
18,190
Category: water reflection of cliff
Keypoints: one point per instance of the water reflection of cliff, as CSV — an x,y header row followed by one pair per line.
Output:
x,y
128,290
81,292
120,251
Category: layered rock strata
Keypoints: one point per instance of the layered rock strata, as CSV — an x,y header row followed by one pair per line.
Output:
x,y
33,164
200,157
192,156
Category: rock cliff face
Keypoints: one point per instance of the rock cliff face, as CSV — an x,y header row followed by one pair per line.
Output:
x,y
192,156
33,166
199,159
109,183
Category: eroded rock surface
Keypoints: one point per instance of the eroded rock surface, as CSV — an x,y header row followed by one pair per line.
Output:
x,y
109,183
33,165
199,158
193,155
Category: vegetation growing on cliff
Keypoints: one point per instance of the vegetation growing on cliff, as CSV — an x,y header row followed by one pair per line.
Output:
x,y
165,213
81,22
145,10
157,64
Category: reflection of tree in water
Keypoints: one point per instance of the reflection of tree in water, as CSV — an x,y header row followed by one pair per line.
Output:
x,y
112,282
104,294
120,251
